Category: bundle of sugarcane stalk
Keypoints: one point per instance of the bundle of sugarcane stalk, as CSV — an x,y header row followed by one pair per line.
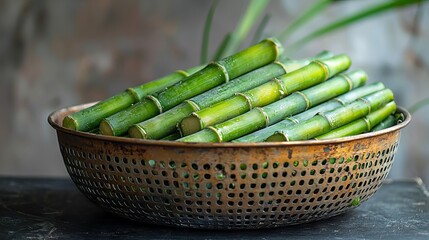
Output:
x,y
165,123
251,96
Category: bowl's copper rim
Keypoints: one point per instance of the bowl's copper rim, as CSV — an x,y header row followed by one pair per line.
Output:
x,y
53,120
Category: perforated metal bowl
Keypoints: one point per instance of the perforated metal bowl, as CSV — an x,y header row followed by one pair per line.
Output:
x,y
226,185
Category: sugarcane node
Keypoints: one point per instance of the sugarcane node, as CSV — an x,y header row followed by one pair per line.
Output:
x,y
366,102
222,68
137,131
156,102
347,78
70,123
247,98
328,118
183,73
307,101
280,83
194,105
278,46
106,128
265,115
282,66
278,136
324,67
191,124
339,100
218,134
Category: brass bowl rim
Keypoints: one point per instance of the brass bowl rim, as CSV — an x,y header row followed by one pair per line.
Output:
x,y
53,120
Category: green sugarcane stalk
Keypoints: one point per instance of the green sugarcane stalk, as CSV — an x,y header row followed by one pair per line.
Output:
x,y
297,102
214,74
165,123
352,18
348,97
89,118
362,125
254,9
328,121
390,121
314,73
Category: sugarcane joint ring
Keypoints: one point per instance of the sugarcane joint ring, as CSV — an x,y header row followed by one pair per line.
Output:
x,y
367,103
307,101
183,73
324,67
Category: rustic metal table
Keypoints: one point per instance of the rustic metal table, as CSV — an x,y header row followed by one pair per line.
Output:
x,y
32,208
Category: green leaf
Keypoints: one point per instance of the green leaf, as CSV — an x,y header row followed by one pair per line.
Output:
x,y
354,18
415,107
206,32
253,11
308,14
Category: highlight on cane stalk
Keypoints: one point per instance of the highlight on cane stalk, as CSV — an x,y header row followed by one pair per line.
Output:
x,y
312,74
214,74
297,102
328,121
165,123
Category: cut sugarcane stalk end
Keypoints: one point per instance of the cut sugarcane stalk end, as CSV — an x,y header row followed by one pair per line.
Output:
x,y
136,131
106,128
190,125
278,44
70,123
277,137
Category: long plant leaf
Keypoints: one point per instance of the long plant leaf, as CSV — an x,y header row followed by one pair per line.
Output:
x,y
260,29
354,18
221,49
415,107
253,11
308,14
206,32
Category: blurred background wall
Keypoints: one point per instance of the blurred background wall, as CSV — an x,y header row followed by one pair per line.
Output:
x,y
60,53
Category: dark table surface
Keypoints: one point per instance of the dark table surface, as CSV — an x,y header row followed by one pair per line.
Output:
x,y
54,209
